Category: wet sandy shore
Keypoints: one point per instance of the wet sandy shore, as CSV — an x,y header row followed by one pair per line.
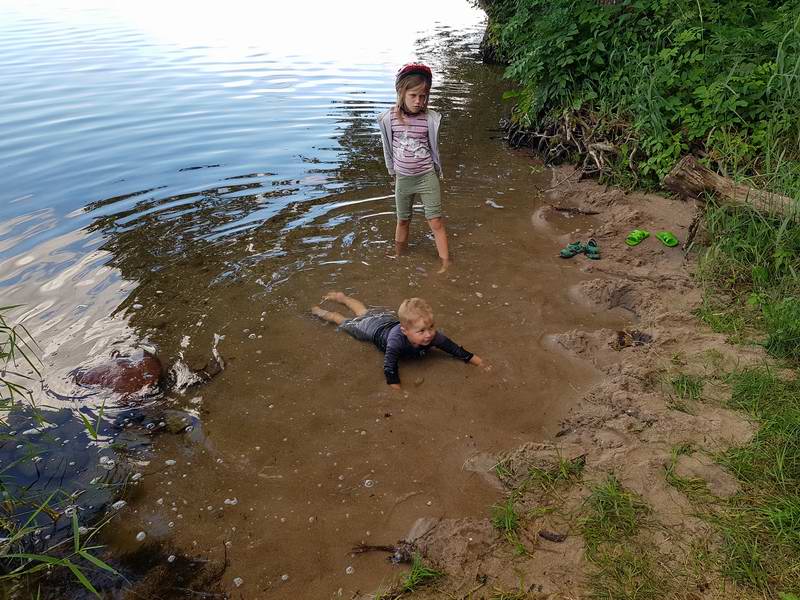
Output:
x,y
305,452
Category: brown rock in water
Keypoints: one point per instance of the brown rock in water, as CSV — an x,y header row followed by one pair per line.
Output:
x,y
124,374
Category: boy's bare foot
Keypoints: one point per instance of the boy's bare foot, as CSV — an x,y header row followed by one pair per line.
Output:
x,y
445,265
328,315
335,296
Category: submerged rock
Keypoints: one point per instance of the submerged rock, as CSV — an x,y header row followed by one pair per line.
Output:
x,y
142,375
125,375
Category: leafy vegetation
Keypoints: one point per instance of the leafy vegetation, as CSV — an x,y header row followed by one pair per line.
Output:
x,y
643,82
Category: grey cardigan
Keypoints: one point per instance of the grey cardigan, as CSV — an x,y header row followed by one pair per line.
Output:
x,y
434,119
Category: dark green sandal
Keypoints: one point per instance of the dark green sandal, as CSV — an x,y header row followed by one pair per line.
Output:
x,y
571,250
592,250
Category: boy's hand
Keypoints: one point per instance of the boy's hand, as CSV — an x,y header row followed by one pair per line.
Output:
x,y
479,362
395,386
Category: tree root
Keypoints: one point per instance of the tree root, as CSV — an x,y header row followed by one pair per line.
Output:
x,y
597,144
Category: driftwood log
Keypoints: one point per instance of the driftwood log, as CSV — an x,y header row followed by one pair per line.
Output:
x,y
689,179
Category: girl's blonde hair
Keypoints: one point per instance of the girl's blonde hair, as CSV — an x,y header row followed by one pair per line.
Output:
x,y
414,309
403,85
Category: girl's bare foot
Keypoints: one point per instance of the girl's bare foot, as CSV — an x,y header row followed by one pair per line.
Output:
x,y
445,265
400,249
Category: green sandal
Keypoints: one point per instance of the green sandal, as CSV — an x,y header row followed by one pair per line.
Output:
x,y
667,238
571,250
592,250
636,237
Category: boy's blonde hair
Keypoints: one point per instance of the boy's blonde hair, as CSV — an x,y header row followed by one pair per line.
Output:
x,y
407,82
414,309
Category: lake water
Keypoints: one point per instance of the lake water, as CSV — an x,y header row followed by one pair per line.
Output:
x,y
179,177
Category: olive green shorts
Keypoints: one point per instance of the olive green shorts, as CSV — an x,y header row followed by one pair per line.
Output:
x,y
427,186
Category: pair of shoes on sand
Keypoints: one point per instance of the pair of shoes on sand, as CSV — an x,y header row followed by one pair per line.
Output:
x,y
590,249
637,236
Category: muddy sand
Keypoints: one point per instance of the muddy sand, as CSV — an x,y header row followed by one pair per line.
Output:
x,y
307,458
626,424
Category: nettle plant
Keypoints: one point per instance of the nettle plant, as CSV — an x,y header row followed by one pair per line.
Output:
x,y
718,79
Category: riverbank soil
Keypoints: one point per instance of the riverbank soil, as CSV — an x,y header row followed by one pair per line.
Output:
x,y
639,439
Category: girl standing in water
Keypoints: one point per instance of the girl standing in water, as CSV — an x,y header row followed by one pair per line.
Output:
x,y
410,136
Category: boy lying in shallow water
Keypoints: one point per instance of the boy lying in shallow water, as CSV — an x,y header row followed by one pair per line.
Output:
x,y
410,332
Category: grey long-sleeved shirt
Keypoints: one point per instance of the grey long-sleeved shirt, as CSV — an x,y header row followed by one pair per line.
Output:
x,y
395,344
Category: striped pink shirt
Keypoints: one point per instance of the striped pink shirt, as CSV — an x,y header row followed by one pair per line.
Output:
x,y
411,149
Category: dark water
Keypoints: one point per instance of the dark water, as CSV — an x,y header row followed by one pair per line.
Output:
x,y
180,178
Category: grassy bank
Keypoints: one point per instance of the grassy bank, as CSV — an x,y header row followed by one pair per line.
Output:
x,y
626,88
751,274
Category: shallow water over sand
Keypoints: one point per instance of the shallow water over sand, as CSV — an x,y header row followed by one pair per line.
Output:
x,y
223,195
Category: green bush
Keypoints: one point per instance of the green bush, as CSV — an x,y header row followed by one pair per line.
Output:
x,y
660,78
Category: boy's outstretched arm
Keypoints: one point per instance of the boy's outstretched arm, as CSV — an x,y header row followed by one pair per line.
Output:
x,y
390,366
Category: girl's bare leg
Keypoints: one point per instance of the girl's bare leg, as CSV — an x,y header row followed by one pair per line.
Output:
x,y
401,236
355,305
328,315
440,238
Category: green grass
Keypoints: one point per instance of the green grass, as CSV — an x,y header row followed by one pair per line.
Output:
x,y
623,568
504,470
565,471
687,387
419,575
751,272
16,349
782,319
505,518
693,488
627,574
614,515
760,526
73,553
722,318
